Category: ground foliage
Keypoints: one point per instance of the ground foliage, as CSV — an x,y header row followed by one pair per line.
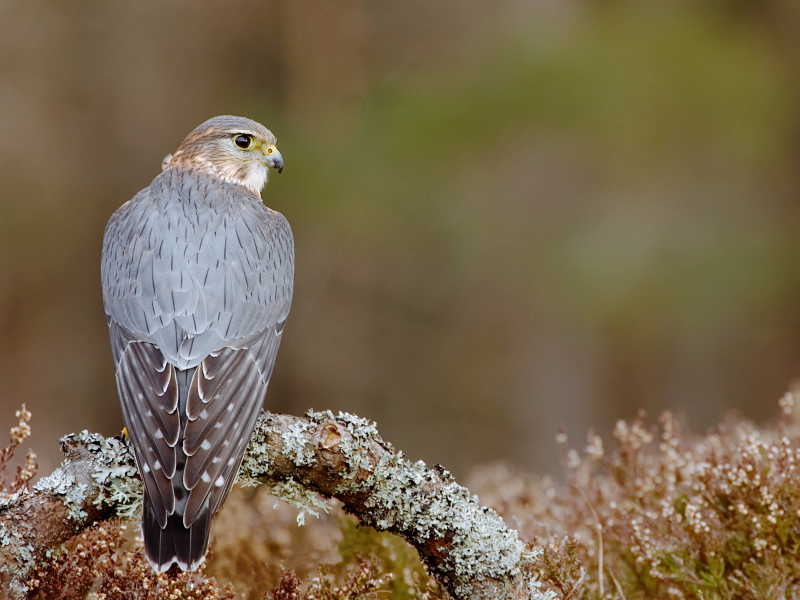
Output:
x,y
25,471
663,514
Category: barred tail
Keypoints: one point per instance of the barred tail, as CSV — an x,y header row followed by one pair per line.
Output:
x,y
176,543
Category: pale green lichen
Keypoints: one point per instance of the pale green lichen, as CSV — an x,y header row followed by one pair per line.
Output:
x,y
8,536
116,477
356,449
119,488
62,483
108,473
20,570
358,426
21,563
292,492
256,459
296,446
319,416
7,500
479,545
535,591
408,498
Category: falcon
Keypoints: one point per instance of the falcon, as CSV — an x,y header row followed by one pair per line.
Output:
x,y
197,278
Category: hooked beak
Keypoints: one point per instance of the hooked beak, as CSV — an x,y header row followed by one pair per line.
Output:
x,y
273,158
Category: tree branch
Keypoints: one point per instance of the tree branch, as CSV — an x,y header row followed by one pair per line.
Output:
x,y
466,547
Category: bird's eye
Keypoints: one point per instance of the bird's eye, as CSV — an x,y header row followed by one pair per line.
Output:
x,y
243,140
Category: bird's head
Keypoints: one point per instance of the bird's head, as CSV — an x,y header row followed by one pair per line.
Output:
x,y
235,149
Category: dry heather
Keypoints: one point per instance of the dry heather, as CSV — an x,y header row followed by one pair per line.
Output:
x,y
663,514
27,470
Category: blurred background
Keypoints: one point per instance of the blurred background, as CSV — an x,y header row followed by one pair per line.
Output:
x,y
509,216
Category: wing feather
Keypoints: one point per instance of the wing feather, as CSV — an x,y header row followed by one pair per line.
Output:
x,y
229,432
230,389
231,394
141,382
149,397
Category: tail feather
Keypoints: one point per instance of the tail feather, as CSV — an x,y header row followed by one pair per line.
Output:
x,y
176,543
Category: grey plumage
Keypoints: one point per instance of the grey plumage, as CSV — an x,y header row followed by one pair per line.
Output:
x,y
197,284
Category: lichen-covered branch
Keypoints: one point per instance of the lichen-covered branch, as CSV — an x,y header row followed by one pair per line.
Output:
x,y
466,547
34,523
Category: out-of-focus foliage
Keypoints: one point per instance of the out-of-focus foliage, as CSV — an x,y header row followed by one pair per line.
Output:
x,y
667,514
508,216
96,564
257,537
258,546
573,224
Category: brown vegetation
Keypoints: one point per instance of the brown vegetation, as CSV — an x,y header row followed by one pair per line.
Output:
x,y
664,514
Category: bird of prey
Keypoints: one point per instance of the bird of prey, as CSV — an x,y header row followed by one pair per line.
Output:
x,y
197,280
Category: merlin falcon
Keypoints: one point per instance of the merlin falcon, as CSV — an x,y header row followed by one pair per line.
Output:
x,y
197,283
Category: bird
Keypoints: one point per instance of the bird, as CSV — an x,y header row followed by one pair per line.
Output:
x,y
197,276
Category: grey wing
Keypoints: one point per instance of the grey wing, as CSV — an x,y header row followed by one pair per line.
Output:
x,y
148,394
223,405
196,281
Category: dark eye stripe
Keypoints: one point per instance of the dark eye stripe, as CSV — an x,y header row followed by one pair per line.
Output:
x,y
243,140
